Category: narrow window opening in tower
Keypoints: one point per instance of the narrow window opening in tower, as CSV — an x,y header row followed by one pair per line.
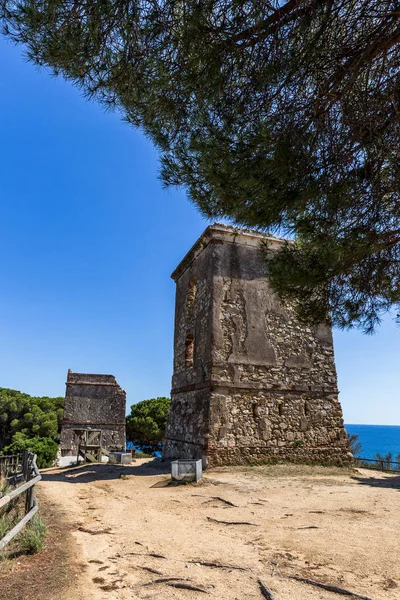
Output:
x,y
306,409
280,409
192,290
189,349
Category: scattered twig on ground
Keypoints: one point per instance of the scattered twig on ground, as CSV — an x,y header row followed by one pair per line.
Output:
x,y
232,522
177,582
221,500
217,565
308,527
355,511
187,586
95,531
275,566
266,592
327,586
150,570
153,554
163,580
317,512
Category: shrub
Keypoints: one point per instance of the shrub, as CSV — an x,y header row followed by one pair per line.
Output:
x,y
354,445
385,460
6,523
8,520
45,448
32,537
139,454
398,462
5,487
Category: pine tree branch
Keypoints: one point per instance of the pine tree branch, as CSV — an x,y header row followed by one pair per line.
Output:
x,y
280,17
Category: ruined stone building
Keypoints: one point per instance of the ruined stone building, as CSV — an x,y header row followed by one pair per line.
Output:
x,y
250,382
93,402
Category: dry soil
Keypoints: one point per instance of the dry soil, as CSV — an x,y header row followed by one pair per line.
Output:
x,y
132,529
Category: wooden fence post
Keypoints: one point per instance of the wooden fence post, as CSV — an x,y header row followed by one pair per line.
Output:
x,y
31,476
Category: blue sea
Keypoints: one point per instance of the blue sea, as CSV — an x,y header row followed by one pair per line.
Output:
x,y
376,438
373,439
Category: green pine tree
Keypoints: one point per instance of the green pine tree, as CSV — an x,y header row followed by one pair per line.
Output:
x,y
281,115
30,423
145,426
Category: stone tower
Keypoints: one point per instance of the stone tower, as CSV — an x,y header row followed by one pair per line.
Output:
x,y
95,402
250,382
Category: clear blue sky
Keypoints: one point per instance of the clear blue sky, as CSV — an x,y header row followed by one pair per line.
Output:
x,y
88,241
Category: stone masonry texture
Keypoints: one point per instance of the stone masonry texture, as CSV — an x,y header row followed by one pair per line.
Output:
x,y
250,383
96,402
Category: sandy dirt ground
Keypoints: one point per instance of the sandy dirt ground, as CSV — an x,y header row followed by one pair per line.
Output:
x,y
132,528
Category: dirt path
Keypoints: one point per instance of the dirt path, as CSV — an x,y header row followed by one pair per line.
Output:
x,y
55,572
320,523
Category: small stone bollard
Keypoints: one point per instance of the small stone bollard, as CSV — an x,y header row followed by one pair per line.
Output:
x,y
120,458
186,470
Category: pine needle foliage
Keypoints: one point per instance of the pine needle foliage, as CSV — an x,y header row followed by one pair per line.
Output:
x,y
279,115
145,425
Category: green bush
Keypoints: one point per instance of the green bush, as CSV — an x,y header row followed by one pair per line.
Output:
x,y
45,448
5,487
145,425
32,537
385,460
6,524
139,454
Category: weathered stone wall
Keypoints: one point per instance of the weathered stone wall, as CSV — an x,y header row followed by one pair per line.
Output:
x,y
94,401
262,385
185,432
257,426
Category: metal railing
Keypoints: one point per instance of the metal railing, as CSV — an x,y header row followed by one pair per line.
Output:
x,y
383,464
30,475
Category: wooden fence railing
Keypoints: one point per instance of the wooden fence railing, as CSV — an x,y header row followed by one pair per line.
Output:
x,y
9,464
378,464
28,477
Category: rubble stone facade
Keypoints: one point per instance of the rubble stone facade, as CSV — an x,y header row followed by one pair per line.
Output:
x,y
96,402
250,383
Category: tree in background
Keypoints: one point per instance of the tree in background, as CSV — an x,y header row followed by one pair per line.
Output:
x,y
354,444
282,115
145,426
45,448
30,423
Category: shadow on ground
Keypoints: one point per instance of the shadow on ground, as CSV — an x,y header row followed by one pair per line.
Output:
x,y
102,472
389,481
